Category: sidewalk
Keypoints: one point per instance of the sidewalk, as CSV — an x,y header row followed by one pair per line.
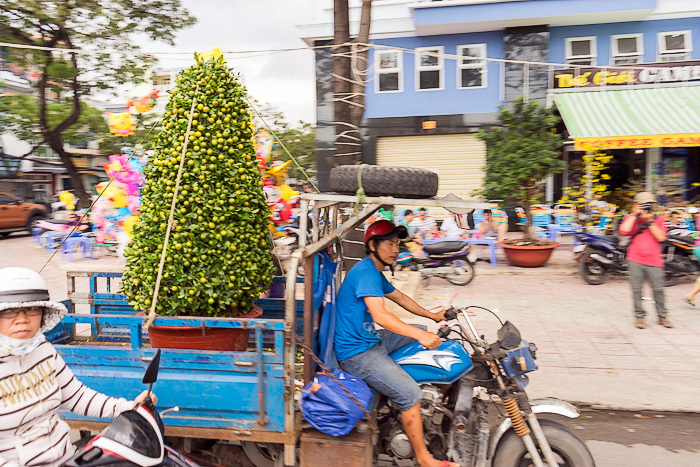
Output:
x,y
589,351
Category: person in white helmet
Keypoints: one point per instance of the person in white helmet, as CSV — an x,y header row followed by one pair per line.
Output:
x,y
34,379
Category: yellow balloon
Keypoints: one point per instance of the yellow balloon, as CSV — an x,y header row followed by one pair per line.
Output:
x,y
67,198
119,200
128,225
287,192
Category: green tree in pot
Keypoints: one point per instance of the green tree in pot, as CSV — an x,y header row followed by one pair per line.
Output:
x,y
217,258
520,154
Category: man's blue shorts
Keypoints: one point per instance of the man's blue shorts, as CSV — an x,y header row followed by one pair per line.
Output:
x,y
381,372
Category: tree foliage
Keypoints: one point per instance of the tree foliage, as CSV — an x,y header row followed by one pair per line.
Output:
x,y
103,30
218,256
520,154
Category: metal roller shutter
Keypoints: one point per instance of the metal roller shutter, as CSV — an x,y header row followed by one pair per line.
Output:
x,y
458,159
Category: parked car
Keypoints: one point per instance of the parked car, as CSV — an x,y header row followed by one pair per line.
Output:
x,y
17,215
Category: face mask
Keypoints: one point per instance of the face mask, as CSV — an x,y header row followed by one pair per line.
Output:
x,y
18,347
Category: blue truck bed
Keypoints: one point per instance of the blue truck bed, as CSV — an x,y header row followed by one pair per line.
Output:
x,y
221,395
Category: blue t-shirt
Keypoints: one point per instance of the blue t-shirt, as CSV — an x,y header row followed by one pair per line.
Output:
x,y
354,327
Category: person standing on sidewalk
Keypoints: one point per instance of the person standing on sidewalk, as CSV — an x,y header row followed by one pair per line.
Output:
x,y
644,255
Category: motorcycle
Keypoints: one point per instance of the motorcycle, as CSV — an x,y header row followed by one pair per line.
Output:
x,y
449,260
460,379
598,256
679,259
454,416
134,438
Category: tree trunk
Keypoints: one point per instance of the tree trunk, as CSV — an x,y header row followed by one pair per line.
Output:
x,y
53,136
347,141
84,197
361,65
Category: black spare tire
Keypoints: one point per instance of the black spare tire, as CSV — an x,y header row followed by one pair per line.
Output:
x,y
380,180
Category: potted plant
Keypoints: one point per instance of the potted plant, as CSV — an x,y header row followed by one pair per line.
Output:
x,y
520,154
217,259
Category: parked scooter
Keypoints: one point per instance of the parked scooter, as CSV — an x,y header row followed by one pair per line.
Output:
x,y
679,259
455,420
449,260
134,438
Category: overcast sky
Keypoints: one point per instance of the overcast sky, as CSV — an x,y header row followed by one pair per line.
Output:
x,y
284,80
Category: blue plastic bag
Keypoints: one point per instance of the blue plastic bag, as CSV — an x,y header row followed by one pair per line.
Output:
x,y
328,408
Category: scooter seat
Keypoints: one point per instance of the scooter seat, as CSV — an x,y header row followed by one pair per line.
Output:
x,y
682,239
440,248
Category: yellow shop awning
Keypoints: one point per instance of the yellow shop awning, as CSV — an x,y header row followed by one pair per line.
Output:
x,y
632,118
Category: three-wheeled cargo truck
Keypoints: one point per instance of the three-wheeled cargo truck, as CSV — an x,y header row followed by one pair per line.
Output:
x,y
252,397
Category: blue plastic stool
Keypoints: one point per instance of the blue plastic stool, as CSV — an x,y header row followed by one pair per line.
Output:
x,y
490,242
35,235
53,240
73,243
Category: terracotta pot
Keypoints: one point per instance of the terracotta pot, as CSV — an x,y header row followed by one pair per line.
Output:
x,y
197,338
528,256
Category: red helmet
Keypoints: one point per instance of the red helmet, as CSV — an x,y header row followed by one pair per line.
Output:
x,y
383,230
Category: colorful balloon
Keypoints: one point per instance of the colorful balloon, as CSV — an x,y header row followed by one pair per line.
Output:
x,y
145,103
120,123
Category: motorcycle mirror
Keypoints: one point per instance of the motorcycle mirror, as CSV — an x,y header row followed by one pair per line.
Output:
x,y
151,375
509,336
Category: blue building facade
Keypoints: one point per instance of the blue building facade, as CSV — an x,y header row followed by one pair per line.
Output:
x,y
431,87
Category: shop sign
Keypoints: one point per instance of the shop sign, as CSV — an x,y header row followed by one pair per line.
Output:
x,y
636,142
621,76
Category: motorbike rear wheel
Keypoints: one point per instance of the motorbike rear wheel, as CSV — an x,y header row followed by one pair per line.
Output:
x,y
464,272
592,271
568,448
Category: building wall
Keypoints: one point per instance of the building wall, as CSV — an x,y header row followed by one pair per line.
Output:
x,y
602,32
448,101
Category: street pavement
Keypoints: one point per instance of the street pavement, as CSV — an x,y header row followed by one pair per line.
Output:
x,y
589,352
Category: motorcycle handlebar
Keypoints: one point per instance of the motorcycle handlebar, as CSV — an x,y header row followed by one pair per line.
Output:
x,y
444,331
451,313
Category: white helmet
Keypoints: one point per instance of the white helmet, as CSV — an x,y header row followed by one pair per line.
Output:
x,y
24,288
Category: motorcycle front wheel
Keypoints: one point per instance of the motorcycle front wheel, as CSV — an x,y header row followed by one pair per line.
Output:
x,y
592,271
464,272
568,448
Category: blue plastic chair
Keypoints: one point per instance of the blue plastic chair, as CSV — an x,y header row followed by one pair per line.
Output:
x,y
564,222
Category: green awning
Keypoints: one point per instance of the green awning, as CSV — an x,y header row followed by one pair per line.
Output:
x,y
632,118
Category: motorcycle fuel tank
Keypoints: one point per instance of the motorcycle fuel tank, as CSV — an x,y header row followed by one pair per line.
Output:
x,y
444,365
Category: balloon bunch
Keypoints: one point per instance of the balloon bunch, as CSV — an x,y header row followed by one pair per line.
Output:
x,y
118,207
281,198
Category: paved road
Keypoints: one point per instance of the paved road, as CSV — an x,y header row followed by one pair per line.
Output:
x,y
647,439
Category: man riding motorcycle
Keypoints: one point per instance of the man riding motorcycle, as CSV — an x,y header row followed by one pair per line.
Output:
x,y
364,352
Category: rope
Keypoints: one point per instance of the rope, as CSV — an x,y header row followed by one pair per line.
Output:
x,y
360,189
320,47
154,301
332,376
